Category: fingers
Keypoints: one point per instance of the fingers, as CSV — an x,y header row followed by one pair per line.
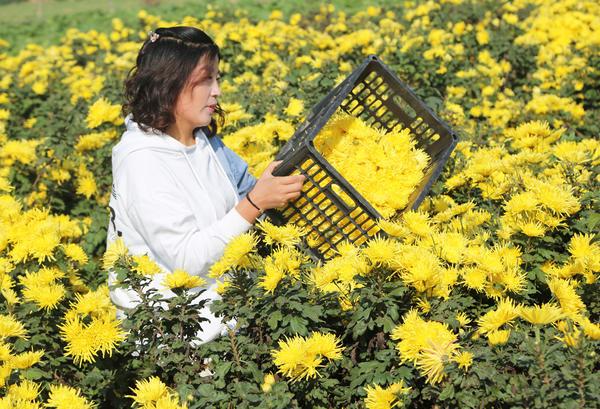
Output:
x,y
269,170
295,187
292,195
292,179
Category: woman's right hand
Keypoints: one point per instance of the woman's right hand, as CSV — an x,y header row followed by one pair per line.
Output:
x,y
271,192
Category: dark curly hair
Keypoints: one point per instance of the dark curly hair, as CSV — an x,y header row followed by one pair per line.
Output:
x,y
162,69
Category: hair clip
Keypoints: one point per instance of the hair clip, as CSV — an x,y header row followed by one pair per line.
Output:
x,y
153,36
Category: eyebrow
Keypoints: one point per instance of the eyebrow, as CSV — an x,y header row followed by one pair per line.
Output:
x,y
203,74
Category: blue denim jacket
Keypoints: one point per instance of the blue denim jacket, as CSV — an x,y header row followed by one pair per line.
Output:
x,y
235,167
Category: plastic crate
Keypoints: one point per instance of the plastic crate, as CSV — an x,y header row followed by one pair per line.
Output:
x,y
329,207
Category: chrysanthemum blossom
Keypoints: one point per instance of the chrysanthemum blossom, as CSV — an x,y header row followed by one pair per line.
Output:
x,y
114,252
564,291
498,337
11,327
182,279
63,396
288,235
25,390
103,111
541,314
505,312
385,398
145,266
428,344
300,358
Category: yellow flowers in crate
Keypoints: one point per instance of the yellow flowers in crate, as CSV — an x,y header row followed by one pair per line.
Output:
x,y
384,167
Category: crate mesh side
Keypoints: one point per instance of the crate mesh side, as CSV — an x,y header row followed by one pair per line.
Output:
x,y
318,210
378,102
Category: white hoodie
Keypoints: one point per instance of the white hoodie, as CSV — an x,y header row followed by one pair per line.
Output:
x,y
176,204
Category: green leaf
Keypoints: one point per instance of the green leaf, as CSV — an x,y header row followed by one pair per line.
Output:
x,y
274,319
359,328
447,392
33,373
298,325
313,312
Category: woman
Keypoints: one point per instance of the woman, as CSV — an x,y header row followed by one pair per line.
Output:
x,y
179,195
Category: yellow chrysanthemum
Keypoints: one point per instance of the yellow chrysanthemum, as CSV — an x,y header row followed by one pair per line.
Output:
x,y
463,319
571,334
145,266
564,291
541,314
149,390
418,223
380,251
463,359
385,398
274,272
268,382
153,393
300,357
95,303
102,111
62,397
81,344
505,312
25,360
590,329
115,251
182,279
10,327
288,235
75,253
392,228
94,140
428,344
85,341
498,337
26,390
236,254
46,296
295,107
86,186
585,251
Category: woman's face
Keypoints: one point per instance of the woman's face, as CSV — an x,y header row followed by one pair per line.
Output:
x,y
198,98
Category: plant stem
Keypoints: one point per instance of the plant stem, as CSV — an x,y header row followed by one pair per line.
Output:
x,y
234,349
581,377
540,357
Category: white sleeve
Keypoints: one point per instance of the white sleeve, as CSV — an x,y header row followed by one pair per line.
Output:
x,y
161,214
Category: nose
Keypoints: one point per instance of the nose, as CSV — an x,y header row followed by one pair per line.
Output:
x,y
216,89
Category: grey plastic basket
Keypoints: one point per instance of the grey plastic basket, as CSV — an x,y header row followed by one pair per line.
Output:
x,y
329,207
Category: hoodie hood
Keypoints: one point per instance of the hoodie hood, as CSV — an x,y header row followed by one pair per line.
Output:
x,y
135,139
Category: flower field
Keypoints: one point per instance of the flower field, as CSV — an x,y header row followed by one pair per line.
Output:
x,y
486,296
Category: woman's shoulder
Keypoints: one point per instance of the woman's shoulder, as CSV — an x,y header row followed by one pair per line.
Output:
x,y
143,169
